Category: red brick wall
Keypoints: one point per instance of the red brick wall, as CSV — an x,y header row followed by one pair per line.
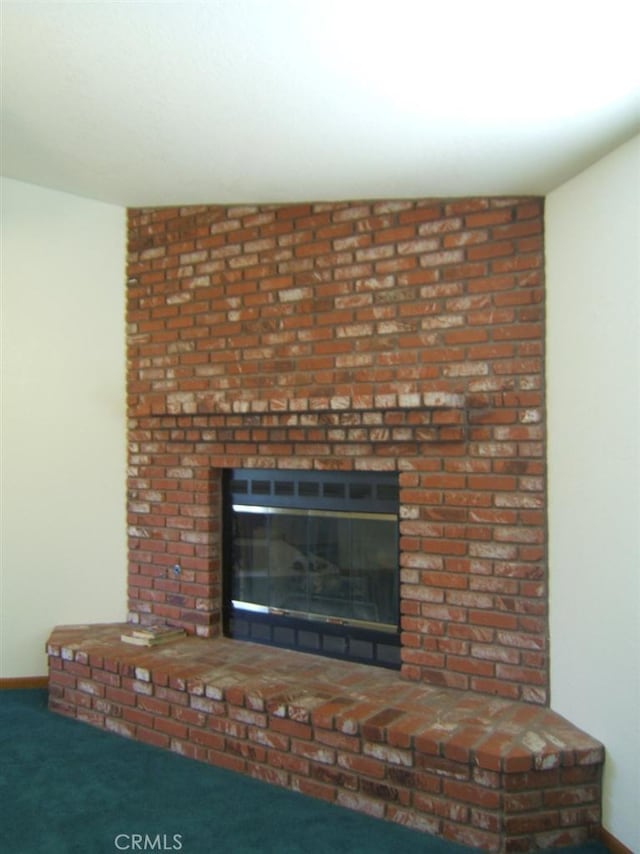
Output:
x,y
406,335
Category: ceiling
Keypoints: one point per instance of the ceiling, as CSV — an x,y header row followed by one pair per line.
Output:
x,y
162,103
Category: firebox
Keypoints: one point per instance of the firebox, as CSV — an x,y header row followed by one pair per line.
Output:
x,y
311,562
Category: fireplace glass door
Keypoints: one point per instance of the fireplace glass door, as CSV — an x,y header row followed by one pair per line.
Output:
x,y
316,555
316,563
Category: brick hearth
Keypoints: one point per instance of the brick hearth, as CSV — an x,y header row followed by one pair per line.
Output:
x,y
488,772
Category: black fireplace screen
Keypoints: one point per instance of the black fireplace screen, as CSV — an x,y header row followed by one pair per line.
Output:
x,y
312,561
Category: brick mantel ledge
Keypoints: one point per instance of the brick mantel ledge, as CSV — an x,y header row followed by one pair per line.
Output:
x,y
482,771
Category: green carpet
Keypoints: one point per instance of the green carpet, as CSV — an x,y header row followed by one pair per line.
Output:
x,y
66,787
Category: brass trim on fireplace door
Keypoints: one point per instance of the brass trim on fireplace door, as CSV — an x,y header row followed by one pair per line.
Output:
x,y
298,511
310,615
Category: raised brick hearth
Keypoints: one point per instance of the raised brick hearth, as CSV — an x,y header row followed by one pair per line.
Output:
x,y
486,772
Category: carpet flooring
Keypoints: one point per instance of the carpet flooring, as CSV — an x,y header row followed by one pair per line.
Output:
x,y
67,788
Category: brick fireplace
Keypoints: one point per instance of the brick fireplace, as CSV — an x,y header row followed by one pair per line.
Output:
x,y
400,336
399,343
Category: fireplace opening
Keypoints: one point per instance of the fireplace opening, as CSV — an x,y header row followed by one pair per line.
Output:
x,y
311,562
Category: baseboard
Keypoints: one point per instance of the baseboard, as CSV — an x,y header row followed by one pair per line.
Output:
x,y
23,682
614,845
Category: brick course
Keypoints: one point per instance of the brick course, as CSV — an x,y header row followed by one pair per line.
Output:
x,y
403,335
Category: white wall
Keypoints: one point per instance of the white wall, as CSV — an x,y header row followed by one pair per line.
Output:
x,y
63,547
593,398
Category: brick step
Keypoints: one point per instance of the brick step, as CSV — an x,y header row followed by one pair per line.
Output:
x,y
479,770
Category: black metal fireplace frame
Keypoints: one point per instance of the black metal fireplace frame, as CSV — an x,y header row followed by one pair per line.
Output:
x,y
371,492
